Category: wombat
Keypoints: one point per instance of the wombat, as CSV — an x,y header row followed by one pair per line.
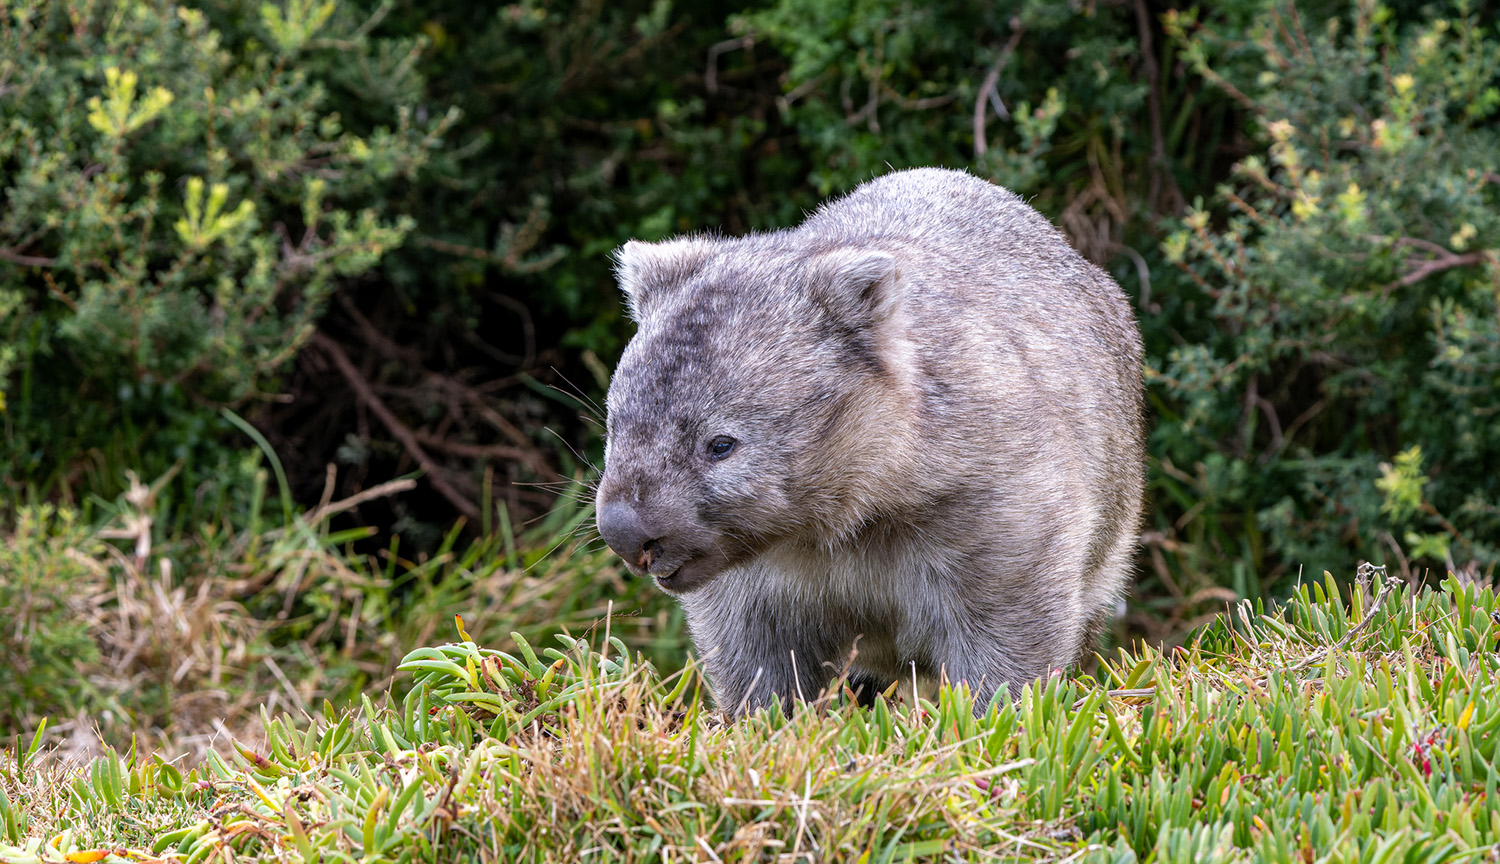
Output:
x,y
909,430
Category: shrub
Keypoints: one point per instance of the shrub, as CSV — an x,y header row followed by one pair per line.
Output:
x,y
1322,334
584,124
1340,347
180,199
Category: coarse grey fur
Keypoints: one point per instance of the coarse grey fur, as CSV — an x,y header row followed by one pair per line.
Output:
x,y
934,406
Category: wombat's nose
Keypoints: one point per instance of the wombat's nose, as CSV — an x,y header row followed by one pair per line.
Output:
x,y
621,527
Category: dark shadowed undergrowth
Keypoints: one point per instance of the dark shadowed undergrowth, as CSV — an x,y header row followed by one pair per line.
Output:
x,y
1359,727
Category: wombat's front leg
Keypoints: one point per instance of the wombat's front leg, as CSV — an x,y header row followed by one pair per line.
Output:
x,y
1012,647
754,651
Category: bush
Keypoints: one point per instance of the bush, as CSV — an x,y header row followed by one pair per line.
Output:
x,y
1322,336
584,124
181,198
1340,348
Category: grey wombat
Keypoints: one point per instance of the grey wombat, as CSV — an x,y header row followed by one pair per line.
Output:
x,y
915,421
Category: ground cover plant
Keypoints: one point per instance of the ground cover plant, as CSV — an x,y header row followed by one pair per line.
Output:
x,y
1330,729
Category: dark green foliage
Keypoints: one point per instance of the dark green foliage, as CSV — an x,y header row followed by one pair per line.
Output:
x,y
584,125
1310,325
181,196
884,83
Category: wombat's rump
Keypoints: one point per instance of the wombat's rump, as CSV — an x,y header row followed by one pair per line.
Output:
x,y
915,421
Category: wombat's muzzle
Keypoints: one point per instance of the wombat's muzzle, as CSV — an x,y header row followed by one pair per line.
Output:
x,y
621,527
678,560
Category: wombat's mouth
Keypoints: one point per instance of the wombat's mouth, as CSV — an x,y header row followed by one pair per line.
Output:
x,y
690,574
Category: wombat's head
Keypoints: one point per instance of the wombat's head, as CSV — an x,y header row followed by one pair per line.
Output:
x,y
753,404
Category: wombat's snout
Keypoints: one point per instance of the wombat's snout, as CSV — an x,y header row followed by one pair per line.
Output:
x,y
621,527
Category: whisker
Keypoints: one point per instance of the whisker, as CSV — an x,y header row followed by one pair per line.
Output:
x,y
595,410
574,450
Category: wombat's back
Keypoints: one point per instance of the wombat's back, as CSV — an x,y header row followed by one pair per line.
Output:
x,y
1030,358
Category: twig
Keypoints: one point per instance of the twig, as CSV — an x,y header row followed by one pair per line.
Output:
x,y
1438,265
711,75
784,103
287,685
486,451
923,104
390,487
1142,272
1400,556
14,257
458,249
408,439
488,414
1385,590
991,78
382,343
1314,410
1159,165
988,94
376,338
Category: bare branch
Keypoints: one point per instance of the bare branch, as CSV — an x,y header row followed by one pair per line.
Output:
x,y
391,487
486,451
14,257
435,472
711,75
988,94
1160,168
1438,265
1385,590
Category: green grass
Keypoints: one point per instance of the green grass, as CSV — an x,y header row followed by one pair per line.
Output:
x,y
1327,730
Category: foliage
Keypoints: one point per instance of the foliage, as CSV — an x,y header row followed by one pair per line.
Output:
x,y
1301,199
1335,309
874,84
1326,731
1348,291
181,196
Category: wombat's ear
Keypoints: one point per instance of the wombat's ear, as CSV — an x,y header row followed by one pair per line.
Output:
x,y
643,269
859,286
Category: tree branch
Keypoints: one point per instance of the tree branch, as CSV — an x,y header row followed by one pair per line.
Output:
x,y
1437,265
435,472
988,94
1161,169
14,257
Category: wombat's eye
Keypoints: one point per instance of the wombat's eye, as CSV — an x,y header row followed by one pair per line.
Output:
x,y
720,447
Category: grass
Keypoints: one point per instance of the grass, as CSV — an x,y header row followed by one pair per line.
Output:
x,y
1326,730
126,630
